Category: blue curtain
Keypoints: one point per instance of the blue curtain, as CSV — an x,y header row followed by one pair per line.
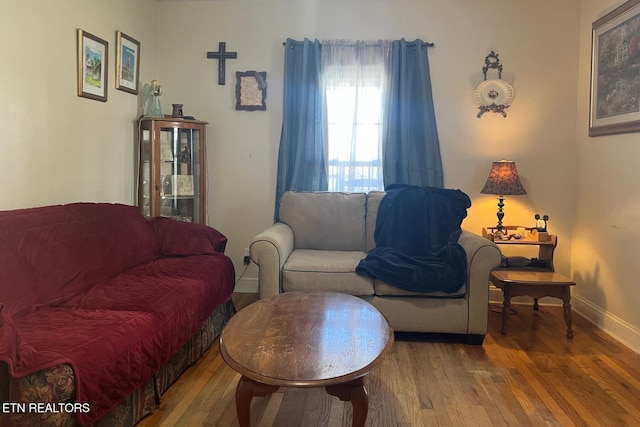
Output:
x,y
302,153
411,151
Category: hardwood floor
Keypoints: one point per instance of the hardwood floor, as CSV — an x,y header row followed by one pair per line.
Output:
x,y
534,376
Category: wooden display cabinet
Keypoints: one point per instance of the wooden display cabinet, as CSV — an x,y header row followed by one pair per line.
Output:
x,y
172,171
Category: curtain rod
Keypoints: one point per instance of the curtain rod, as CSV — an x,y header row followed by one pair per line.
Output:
x,y
427,44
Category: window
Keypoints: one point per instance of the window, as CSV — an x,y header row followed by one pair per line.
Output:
x,y
354,78
346,106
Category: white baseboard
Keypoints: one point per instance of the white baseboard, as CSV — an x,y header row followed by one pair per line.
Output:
x,y
622,331
495,294
248,285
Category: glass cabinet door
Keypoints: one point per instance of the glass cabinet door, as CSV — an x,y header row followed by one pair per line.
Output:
x,y
145,178
180,174
171,175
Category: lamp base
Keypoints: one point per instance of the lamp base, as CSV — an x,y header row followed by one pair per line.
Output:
x,y
500,215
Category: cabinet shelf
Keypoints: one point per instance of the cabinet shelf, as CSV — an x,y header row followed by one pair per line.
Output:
x,y
170,197
168,162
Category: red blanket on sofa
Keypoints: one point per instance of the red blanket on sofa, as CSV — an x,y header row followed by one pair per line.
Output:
x,y
105,290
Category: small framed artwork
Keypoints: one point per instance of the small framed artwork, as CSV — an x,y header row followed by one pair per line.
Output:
x,y
251,90
615,60
93,56
127,63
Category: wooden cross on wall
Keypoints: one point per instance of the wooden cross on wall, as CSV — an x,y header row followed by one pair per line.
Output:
x,y
221,55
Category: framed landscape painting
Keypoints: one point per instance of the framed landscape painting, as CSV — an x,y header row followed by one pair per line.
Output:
x,y
615,71
93,55
127,63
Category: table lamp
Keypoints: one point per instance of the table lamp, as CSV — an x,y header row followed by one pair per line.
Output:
x,y
504,181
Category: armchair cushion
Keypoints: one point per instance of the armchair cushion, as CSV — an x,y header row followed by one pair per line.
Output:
x,y
313,270
325,221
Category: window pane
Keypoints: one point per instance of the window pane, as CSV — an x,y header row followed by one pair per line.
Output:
x,y
354,115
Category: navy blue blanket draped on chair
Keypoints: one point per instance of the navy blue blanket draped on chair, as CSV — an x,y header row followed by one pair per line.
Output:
x,y
417,229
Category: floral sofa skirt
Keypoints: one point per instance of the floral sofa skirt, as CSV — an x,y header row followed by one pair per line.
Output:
x,y
58,385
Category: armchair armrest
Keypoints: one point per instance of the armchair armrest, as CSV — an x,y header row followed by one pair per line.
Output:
x,y
482,256
269,250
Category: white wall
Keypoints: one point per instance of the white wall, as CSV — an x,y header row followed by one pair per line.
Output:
x,y
538,49
607,221
56,146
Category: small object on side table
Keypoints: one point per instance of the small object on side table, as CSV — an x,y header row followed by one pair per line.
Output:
x,y
541,223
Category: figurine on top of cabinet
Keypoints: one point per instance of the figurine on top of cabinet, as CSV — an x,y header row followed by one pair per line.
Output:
x,y
151,95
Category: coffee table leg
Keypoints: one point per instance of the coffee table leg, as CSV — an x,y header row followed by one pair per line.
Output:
x,y
247,388
357,394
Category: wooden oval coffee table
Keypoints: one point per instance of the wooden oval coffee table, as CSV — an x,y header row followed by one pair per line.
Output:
x,y
306,339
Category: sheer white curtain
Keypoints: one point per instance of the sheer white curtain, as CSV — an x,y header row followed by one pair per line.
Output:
x,y
354,82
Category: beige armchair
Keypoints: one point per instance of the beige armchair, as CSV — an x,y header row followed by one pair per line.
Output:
x,y
323,236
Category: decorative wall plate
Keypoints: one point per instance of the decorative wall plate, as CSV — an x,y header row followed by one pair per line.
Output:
x,y
494,91
494,94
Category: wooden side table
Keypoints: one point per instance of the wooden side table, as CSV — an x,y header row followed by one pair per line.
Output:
x,y
535,284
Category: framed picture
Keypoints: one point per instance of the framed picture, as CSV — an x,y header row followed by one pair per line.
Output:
x,y
251,90
127,63
93,55
615,61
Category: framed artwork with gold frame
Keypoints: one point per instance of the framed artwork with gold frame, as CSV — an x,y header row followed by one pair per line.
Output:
x,y
127,63
615,61
93,58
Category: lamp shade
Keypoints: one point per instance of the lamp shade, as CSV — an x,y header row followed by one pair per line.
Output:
x,y
503,180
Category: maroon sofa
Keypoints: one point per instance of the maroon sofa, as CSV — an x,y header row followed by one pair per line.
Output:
x,y
101,309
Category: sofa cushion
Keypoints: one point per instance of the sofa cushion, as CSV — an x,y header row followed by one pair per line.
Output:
x,y
179,238
181,292
49,253
373,203
307,269
325,220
